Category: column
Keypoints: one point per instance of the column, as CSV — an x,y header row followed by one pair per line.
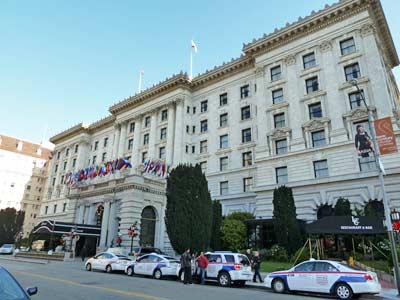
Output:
x,y
104,225
178,132
83,154
261,149
136,155
153,136
122,139
117,133
89,214
170,134
111,223
80,215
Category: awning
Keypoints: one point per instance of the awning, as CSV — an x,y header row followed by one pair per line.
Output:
x,y
65,228
346,225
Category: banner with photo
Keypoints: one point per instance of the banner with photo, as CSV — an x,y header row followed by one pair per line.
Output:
x,y
385,136
362,139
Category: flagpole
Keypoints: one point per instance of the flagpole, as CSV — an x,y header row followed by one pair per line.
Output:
x,y
140,81
191,65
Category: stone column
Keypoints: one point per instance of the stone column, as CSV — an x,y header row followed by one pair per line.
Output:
x,y
261,149
89,217
170,134
117,133
83,154
111,223
122,139
178,145
153,136
136,155
80,215
104,225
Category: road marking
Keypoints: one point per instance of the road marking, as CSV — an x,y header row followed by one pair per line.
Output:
x,y
122,292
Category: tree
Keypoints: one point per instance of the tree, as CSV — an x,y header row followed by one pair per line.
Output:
x,y
286,227
240,216
233,234
188,215
215,241
11,222
342,207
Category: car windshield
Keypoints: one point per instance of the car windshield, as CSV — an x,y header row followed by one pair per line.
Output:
x,y
244,260
7,246
9,288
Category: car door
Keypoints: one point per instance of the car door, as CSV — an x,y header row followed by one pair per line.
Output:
x,y
301,277
96,264
214,265
108,259
152,263
140,264
325,276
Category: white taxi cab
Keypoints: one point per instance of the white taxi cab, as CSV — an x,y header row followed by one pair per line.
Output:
x,y
326,277
155,265
108,262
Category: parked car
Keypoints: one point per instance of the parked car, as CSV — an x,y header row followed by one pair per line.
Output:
x,y
107,262
7,249
156,265
226,268
139,251
324,277
11,289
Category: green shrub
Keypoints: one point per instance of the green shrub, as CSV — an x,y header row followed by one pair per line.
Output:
x,y
265,254
279,253
233,234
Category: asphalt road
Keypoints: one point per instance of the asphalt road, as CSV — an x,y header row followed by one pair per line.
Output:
x,y
70,281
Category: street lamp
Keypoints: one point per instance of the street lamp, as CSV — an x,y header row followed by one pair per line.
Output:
x,y
389,227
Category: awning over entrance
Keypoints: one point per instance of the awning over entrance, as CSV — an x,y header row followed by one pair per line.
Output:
x,y
66,228
346,225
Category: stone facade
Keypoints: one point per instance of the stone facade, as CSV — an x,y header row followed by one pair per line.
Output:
x,y
282,113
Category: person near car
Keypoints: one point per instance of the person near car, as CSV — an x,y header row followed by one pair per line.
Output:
x,y
83,252
249,255
202,262
256,267
186,263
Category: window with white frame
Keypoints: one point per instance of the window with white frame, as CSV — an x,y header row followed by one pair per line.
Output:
x,y
247,184
104,157
223,120
315,110
312,85
309,60
367,163
352,71
203,146
147,121
223,99
347,46
321,168
223,141
203,166
130,144
356,100
247,159
223,163
281,146
318,138
277,96
246,135
163,133
162,153
245,112
146,139
203,126
144,156
204,106
76,148
164,115
279,120
105,142
245,91
223,188
276,73
131,127
281,175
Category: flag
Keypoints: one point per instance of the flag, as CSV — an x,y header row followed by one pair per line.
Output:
x,y
194,46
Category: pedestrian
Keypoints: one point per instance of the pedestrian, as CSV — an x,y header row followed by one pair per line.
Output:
x,y
256,267
249,256
202,262
186,263
83,252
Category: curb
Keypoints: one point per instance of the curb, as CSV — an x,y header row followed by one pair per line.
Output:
x,y
40,262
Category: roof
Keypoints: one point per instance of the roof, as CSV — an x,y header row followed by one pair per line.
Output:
x,y
23,147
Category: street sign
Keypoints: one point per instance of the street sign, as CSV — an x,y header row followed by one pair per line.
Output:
x,y
77,237
385,136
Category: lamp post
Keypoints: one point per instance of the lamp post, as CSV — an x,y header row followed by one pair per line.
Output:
x,y
382,186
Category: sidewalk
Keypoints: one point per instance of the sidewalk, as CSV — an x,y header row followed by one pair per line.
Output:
x,y
27,260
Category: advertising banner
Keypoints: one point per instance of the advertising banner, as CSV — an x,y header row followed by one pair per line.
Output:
x,y
385,136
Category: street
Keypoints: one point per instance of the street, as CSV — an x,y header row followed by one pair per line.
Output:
x,y
65,281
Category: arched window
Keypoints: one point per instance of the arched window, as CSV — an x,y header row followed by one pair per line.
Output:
x,y
148,226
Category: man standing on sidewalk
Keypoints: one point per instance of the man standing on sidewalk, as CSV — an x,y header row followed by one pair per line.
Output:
x,y
186,263
202,262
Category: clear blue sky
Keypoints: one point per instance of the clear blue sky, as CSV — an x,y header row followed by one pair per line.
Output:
x,y
63,62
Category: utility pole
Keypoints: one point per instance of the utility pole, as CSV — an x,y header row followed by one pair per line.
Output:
x,y
378,163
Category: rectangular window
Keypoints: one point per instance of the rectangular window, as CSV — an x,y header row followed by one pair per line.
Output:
x,y
55,208
193,129
187,128
46,209
162,153
321,168
62,179
281,146
352,71
58,155
193,149
94,159
132,127
276,73
194,109
247,184
130,144
245,112
244,91
223,99
367,163
203,126
146,139
187,149
279,120
64,207
76,148
55,168
277,96
147,121
74,162
67,152
144,156
309,60
223,120
53,182
281,175
247,159
223,188
246,135
312,85
203,146
65,165
347,46
105,144
188,109
356,99
203,166
163,133
318,138
96,145
204,106
223,141
315,110
223,163
104,156
164,115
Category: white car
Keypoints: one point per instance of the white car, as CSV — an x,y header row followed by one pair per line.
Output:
x,y
156,265
108,262
326,277
7,249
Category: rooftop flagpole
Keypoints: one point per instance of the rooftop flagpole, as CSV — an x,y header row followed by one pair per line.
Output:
x,y
141,73
192,48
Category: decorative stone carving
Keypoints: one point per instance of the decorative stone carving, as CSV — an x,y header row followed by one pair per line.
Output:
x,y
280,133
356,114
259,72
290,60
315,124
367,29
325,46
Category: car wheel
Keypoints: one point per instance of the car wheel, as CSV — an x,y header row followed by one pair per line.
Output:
x,y
343,291
89,267
224,279
108,269
129,271
157,274
278,285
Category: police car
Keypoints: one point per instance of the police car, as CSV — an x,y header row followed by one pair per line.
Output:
x,y
226,268
324,276
155,265
108,262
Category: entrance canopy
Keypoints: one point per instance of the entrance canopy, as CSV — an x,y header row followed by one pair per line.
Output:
x,y
346,225
65,228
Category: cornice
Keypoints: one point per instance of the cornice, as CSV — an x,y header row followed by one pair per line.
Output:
x,y
74,130
102,123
